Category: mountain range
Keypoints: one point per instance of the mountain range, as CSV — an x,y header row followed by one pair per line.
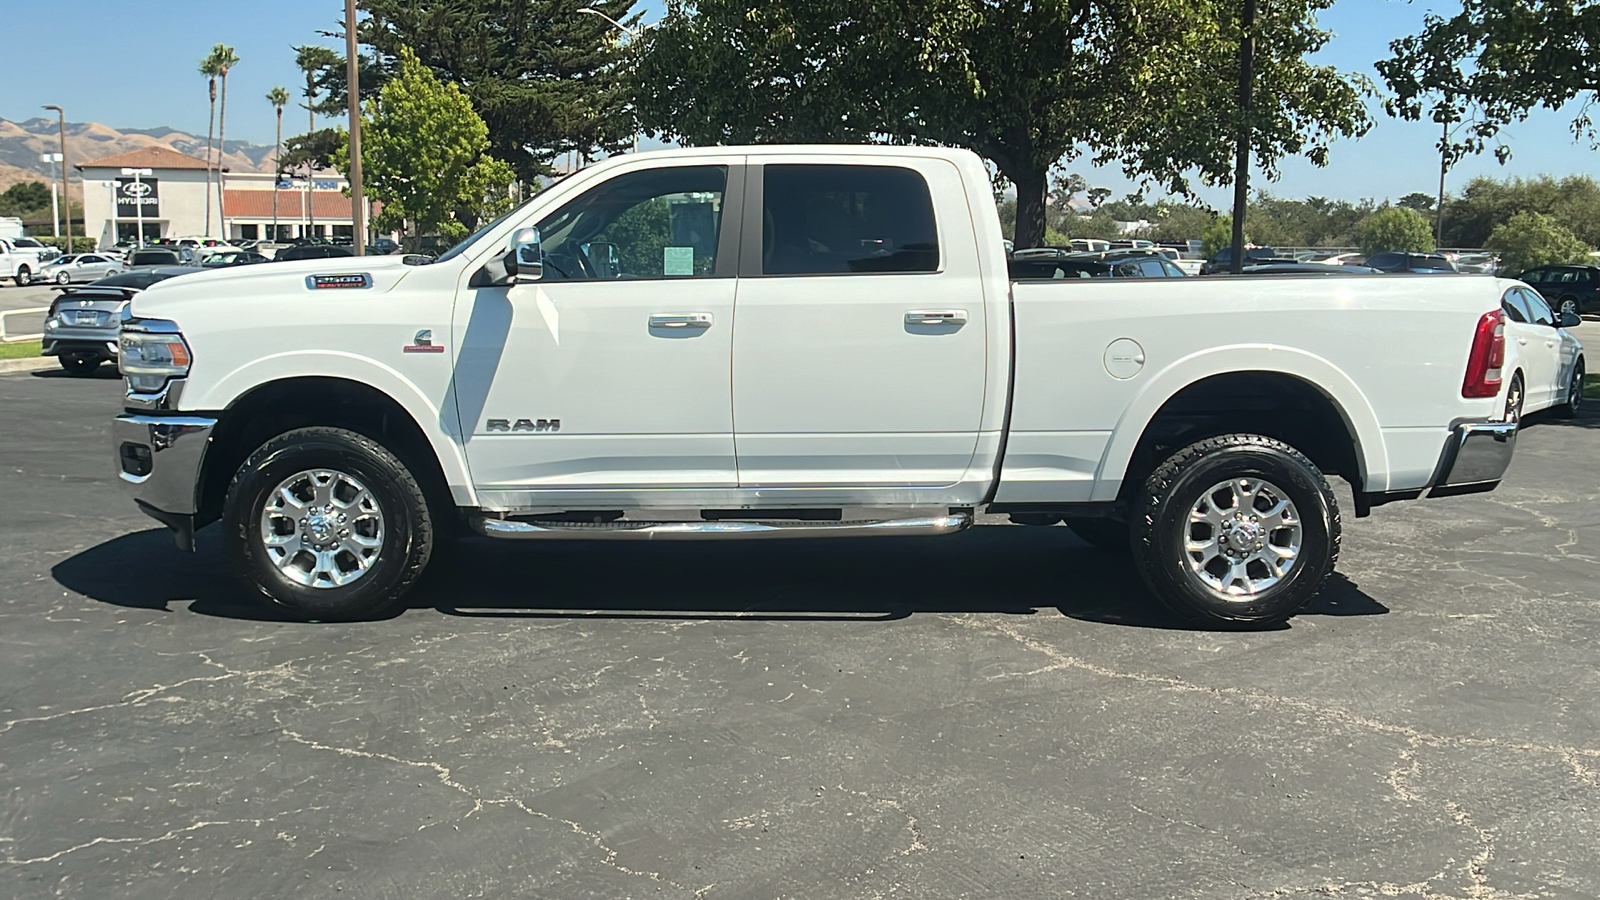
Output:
x,y
21,143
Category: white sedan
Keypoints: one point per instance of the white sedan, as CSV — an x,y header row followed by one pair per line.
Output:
x,y
80,267
1543,365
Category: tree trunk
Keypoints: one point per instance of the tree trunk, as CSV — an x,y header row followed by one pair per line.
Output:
x,y
211,123
222,141
1030,207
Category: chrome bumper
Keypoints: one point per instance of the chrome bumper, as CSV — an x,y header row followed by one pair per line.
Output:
x,y
159,460
1475,457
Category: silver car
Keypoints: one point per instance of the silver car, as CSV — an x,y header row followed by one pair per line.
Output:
x,y
80,267
84,323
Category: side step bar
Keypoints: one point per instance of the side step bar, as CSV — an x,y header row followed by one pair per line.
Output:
x,y
695,531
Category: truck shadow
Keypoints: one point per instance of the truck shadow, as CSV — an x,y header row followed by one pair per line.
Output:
x,y
985,571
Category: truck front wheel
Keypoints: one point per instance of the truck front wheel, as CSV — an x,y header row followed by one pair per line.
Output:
x,y
1236,531
328,524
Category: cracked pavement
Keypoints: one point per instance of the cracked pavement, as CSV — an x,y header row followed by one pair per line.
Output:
x,y
1002,713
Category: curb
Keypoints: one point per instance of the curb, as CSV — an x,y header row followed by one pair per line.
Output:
x,y
9,366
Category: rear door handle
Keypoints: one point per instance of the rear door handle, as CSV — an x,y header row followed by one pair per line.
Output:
x,y
936,317
680,320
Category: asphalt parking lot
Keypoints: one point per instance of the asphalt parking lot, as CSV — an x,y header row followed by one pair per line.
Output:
x,y
1003,713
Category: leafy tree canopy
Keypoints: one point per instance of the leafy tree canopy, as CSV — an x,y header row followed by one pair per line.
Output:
x,y
1024,84
546,78
1395,228
423,155
1416,200
1531,239
24,197
1494,62
317,148
1485,203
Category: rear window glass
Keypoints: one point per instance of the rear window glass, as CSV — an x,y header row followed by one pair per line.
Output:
x,y
825,219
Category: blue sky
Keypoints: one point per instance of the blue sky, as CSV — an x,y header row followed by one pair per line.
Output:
x,y
133,65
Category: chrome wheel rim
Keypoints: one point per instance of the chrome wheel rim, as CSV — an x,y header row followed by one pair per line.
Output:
x,y
322,528
1242,537
1570,306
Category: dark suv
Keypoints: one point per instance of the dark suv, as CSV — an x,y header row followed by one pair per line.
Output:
x,y
1574,289
1253,256
1415,263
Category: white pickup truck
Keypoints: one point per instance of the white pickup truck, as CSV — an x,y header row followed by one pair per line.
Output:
x,y
775,342
21,258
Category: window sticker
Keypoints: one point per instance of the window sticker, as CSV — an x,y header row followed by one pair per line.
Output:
x,y
677,260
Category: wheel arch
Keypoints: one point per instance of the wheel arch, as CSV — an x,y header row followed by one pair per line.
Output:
x,y
1334,423
274,407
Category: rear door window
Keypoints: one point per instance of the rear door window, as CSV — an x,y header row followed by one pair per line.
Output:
x,y
1152,269
833,219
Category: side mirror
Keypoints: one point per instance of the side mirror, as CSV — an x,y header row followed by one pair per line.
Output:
x,y
525,262
1568,320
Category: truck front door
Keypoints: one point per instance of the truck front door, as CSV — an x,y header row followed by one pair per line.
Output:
x,y
860,341
608,379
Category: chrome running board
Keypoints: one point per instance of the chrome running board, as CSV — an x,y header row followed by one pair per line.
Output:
x,y
696,531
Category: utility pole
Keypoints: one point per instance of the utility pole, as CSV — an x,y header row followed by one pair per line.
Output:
x,y
50,159
353,79
1241,155
66,186
1444,166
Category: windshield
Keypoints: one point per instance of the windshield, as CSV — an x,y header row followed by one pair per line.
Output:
x,y
472,238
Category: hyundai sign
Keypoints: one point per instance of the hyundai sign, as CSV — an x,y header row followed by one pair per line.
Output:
x,y
132,195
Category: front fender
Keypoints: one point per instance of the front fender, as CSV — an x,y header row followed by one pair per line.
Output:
x,y
1359,418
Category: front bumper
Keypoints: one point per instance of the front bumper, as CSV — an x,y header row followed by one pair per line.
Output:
x,y
1475,458
159,460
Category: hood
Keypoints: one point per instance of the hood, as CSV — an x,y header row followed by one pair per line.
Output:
x,y
271,281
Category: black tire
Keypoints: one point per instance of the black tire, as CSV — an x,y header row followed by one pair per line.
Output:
x,y
63,278
1103,534
1569,304
1574,404
407,538
1516,395
1177,486
80,366
24,276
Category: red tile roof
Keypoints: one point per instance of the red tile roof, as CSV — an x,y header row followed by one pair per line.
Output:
x,y
243,203
147,158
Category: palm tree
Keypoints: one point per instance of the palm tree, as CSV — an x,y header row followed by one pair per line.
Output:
x,y
312,60
226,59
211,68
279,98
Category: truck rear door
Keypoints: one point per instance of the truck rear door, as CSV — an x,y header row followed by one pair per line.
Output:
x,y
860,338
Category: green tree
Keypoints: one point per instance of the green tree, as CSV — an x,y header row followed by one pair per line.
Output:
x,y
1395,228
1494,62
279,98
1485,203
547,78
310,151
1217,236
1416,200
423,155
226,60
1531,239
211,67
313,62
1024,84
24,197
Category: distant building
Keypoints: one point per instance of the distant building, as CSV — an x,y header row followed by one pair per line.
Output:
x,y
173,198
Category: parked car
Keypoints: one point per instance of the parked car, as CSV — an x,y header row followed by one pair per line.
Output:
x,y
1335,259
1191,420
1413,263
1568,288
1478,263
1188,264
1310,268
1223,260
312,251
1117,264
19,262
44,251
81,328
150,257
80,267
225,258
382,246
1544,364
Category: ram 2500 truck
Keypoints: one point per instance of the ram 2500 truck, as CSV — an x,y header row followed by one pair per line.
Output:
x,y
788,342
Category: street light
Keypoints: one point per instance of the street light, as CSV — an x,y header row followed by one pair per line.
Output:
x,y
138,198
66,185
55,208
633,35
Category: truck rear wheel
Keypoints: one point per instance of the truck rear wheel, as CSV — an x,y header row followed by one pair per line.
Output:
x,y
327,524
1236,531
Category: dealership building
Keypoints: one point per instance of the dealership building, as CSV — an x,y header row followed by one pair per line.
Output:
x,y
171,200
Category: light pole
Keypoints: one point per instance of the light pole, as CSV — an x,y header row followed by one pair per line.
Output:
x,y
138,198
66,184
633,35
55,207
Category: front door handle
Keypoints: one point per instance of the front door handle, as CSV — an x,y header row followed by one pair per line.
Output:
x,y
680,320
936,317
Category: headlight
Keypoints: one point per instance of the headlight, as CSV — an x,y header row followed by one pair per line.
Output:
x,y
151,352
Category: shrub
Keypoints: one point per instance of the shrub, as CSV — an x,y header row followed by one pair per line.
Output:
x,y
1530,239
1395,228
80,244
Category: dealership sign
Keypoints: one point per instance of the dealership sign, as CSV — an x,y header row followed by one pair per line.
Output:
x,y
136,198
